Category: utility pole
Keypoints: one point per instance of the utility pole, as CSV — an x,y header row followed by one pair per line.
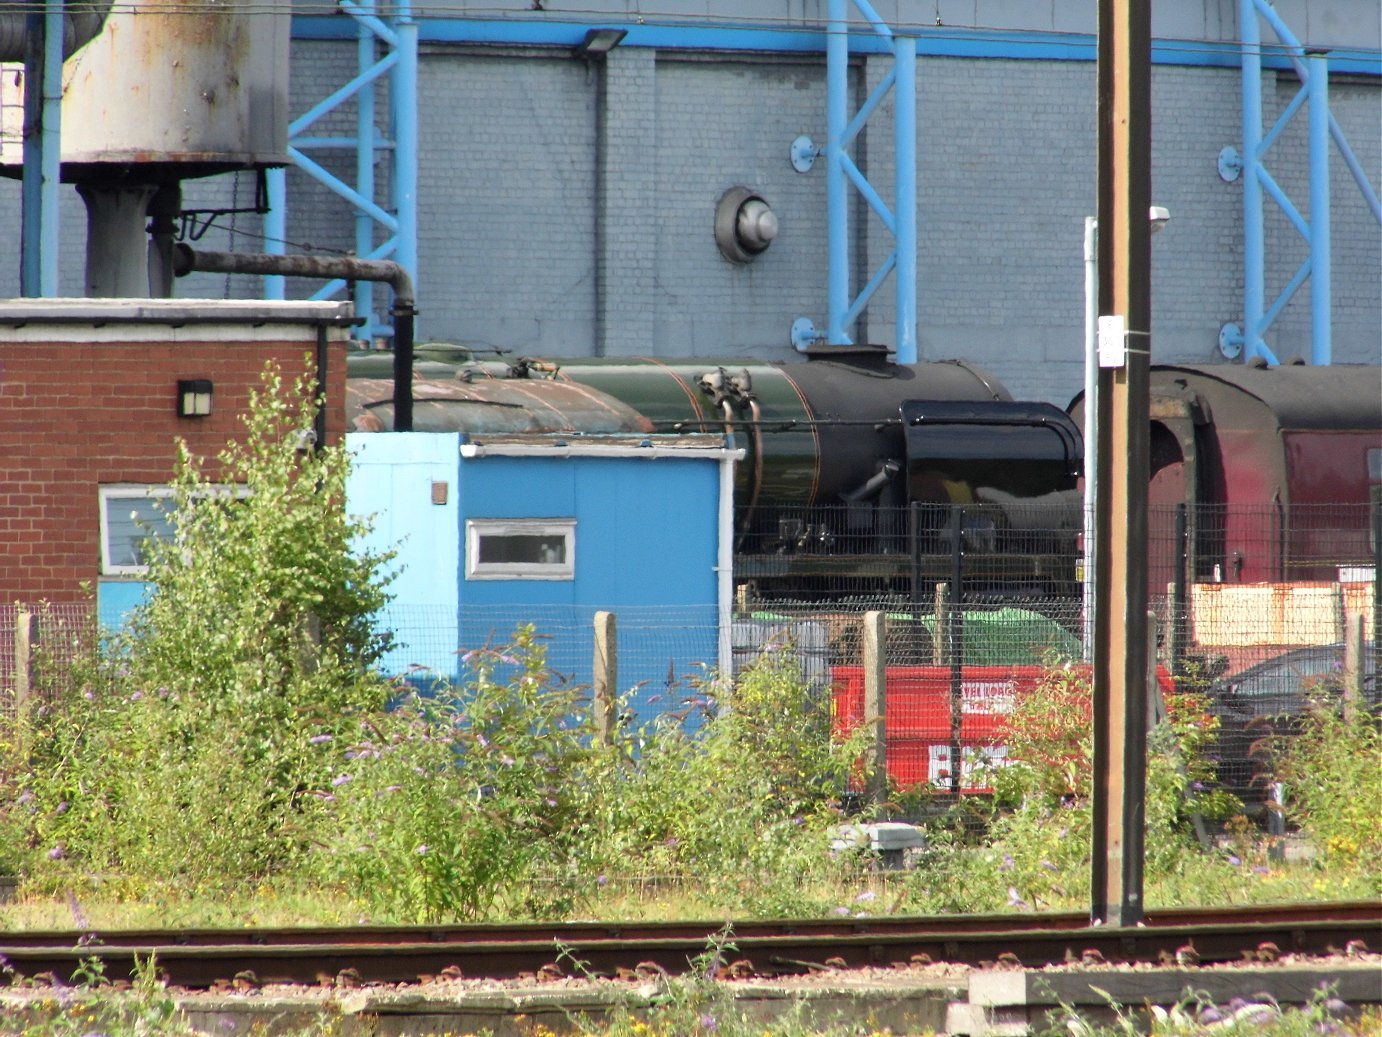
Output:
x,y
1120,648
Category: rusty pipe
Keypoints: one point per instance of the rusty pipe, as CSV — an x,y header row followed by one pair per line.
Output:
x,y
187,259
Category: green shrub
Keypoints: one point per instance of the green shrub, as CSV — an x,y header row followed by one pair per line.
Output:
x,y
460,793
1332,768
257,636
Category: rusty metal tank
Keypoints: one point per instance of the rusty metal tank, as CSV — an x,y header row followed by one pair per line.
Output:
x,y
200,86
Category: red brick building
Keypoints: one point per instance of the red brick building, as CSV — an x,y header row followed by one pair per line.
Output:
x,y
90,406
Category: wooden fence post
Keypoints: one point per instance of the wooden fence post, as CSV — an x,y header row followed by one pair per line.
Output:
x,y
875,707
25,637
940,639
1354,664
606,679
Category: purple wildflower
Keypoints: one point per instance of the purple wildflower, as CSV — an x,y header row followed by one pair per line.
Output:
x,y
708,1023
602,880
1258,869
319,739
841,911
1234,859
339,780
868,894
1210,1014
421,851
1049,866
136,696
57,853
1008,863
1015,898
62,807
1198,786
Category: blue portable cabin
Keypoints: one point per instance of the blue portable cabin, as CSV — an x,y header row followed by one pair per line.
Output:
x,y
494,530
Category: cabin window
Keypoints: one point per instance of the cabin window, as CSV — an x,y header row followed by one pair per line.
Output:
x,y
520,549
132,516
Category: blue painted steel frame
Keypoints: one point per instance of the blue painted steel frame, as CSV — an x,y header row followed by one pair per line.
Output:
x,y
1312,68
397,33
38,264
940,41
841,171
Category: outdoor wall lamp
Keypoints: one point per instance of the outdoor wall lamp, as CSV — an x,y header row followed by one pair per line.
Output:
x,y
194,398
599,42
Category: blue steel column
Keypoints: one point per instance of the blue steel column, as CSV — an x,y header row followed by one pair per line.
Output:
x,y
276,228
38,272
905,200
1254,279
364,170
1321,347
403,97
837,217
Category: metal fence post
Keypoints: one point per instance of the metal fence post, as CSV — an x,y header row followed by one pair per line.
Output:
x,y
606,677
875,707
956,646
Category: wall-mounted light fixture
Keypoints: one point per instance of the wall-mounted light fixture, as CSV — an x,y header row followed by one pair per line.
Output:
x,y
194,398
599,42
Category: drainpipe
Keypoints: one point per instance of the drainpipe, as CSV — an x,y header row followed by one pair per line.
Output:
x,y
186,260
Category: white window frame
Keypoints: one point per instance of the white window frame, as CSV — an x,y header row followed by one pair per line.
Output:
x,y
475,529
152,492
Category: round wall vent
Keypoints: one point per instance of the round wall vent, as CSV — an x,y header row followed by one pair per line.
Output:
x,y
745,225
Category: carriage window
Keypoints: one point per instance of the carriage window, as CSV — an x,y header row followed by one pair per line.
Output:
x,y
520,549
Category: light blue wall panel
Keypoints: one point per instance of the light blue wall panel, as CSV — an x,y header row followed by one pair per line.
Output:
x,y
391,483
116,599
645,529
646,539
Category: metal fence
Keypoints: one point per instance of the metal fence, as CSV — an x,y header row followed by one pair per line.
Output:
x,y
974,611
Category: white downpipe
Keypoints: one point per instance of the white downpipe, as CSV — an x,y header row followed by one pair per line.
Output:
x,y
724,565
1091,410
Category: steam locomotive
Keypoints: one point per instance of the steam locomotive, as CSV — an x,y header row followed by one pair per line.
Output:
x,y
867,478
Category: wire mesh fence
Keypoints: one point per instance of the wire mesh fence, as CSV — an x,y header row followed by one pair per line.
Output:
x,y
974,614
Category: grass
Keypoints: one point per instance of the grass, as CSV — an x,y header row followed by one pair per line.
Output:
x,y
1210,878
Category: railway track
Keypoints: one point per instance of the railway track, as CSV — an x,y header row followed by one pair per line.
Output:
x,y
209,958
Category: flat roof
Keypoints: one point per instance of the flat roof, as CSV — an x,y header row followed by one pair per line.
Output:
x,y
174,312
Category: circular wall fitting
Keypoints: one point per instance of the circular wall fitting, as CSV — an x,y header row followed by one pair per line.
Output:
x,y
745,225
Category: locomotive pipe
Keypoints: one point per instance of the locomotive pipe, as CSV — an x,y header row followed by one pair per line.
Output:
x,y
187,259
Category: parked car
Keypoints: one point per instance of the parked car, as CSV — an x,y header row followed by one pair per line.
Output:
x,y
1267,700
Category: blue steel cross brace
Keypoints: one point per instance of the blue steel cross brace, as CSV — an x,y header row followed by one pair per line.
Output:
x,y
841,171
386,46
1312,69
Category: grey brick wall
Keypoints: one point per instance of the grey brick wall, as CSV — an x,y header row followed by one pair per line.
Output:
x,y
567,210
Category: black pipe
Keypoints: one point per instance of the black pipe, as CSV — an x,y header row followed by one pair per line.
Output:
x,y
1377,585
187,259
955,639
1179,614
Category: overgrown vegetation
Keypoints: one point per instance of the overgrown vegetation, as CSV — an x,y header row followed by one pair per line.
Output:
x,y
1333,770
237,737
